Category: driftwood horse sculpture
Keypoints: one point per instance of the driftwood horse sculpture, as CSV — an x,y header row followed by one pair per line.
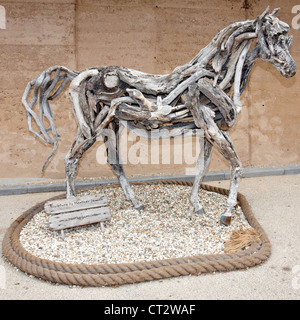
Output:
x,y
203,94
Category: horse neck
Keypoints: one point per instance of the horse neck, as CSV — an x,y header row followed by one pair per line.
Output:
x,y
249,63
242,57
221,55
233,61
223,40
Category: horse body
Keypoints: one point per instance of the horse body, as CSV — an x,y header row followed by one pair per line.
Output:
x,y
203,94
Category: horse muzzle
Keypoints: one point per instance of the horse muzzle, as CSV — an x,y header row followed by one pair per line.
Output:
x,y
289,69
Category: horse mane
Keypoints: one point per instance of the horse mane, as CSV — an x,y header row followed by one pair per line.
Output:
x,y
220,55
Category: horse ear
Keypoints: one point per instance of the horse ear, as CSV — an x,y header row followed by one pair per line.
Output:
x,y
264,13
275,11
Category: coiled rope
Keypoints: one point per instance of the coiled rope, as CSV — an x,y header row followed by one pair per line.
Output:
x,y
125,273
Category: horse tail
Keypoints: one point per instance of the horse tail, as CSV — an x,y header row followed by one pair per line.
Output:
x,y
47,86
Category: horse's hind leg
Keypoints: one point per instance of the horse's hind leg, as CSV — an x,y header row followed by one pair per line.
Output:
x,y
129,193
111,140
202,164
79,146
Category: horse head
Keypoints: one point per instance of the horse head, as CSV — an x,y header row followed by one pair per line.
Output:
x,y
275,42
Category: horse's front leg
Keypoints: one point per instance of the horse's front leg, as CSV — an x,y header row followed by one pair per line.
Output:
x,y
227,150
204,118
232,198
71,162
201,167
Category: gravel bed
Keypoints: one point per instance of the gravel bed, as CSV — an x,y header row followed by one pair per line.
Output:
x,y
167,228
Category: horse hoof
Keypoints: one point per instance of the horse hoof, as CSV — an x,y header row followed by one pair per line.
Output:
x,y
200,211
226,220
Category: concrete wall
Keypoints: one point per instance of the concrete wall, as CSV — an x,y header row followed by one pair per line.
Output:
x,y
152,36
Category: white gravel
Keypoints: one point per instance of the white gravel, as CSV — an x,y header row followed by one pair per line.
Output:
x,y
167,228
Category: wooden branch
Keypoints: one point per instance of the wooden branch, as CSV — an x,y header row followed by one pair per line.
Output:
x,y
178,114
92,102
36,83
193,103
129,112
184,85
111,80
167,131
251,58
66,80
139,98
220,99
101,115
75,97
111,113
238,75
148,83
231,67
264,50
178,107
243,37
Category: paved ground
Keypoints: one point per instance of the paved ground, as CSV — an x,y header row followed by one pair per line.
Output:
x,y
276,204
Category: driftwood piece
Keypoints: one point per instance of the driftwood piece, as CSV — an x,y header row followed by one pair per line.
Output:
x,y
101,115
221,100
79,218
238,76
76,99
77,211
128,112
75,203
111,80
139,98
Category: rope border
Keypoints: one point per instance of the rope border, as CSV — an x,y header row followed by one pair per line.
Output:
x,y
118,274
